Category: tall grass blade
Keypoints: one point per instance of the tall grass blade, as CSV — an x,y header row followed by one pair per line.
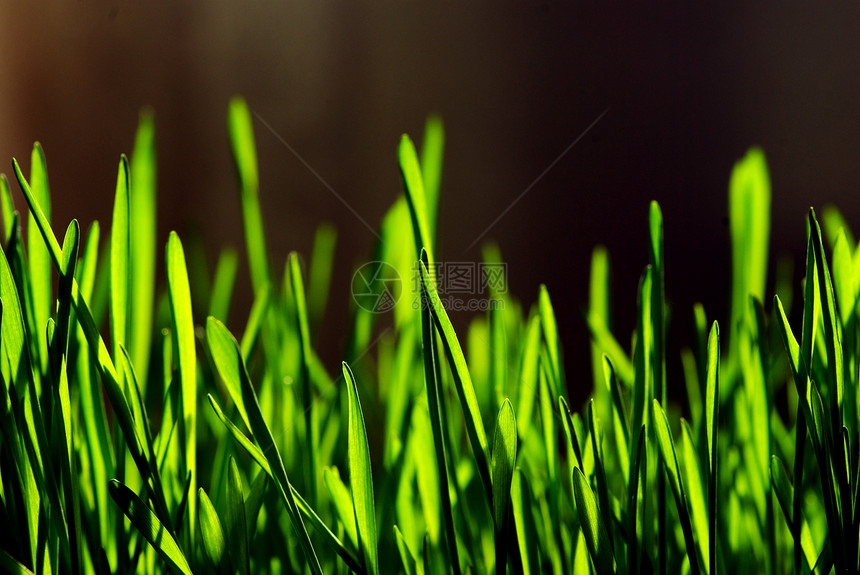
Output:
x,y
413,185
237,530
241,130
263,436
306,387
223,283
596,535
119,261
749,227
142,213
712,418
183,338
212,533
673,470
410,565
39,259
504,462
360,477
148,524
462,379
319,275
785,496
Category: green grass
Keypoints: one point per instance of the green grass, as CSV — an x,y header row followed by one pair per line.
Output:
x,y
181,444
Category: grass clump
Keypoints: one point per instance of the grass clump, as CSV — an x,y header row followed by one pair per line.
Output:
x,y
181,444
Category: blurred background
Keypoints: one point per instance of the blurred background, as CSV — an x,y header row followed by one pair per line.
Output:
x,y
686,90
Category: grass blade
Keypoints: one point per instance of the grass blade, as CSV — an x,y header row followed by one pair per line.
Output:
x,y
120,238
142,215
360,477
183,341
241,131
145,521
462,379
749,227
39,259
784,490
504,463
263,436
237,530
319,275
670,463
596,535
223,283
410,565
712,417
413,184
305,379
212,534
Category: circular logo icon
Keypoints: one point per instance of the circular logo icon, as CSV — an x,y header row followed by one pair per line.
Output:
x,y
376,287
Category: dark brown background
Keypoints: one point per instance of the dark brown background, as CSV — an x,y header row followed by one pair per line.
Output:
x,y
689,89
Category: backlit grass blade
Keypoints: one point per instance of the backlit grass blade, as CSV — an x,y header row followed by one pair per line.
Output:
x,y
258,314
410,565
221,345
618,412
598,306
7,209
360,477
432,149
498,359
749,227
319,275
223,283
570,433
462,379
784,490
638,475
142,212
797,363
694,488
120,239
596,434
712,418
504,461
12,565
39,261
145,521
528,383
351,561
306,387
263,437
521,505
341,499
241,131
550,335
438,425
428,473
212,534
655,224
413,185
832,331
237,530
69,466
596,535
183,341
670,463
